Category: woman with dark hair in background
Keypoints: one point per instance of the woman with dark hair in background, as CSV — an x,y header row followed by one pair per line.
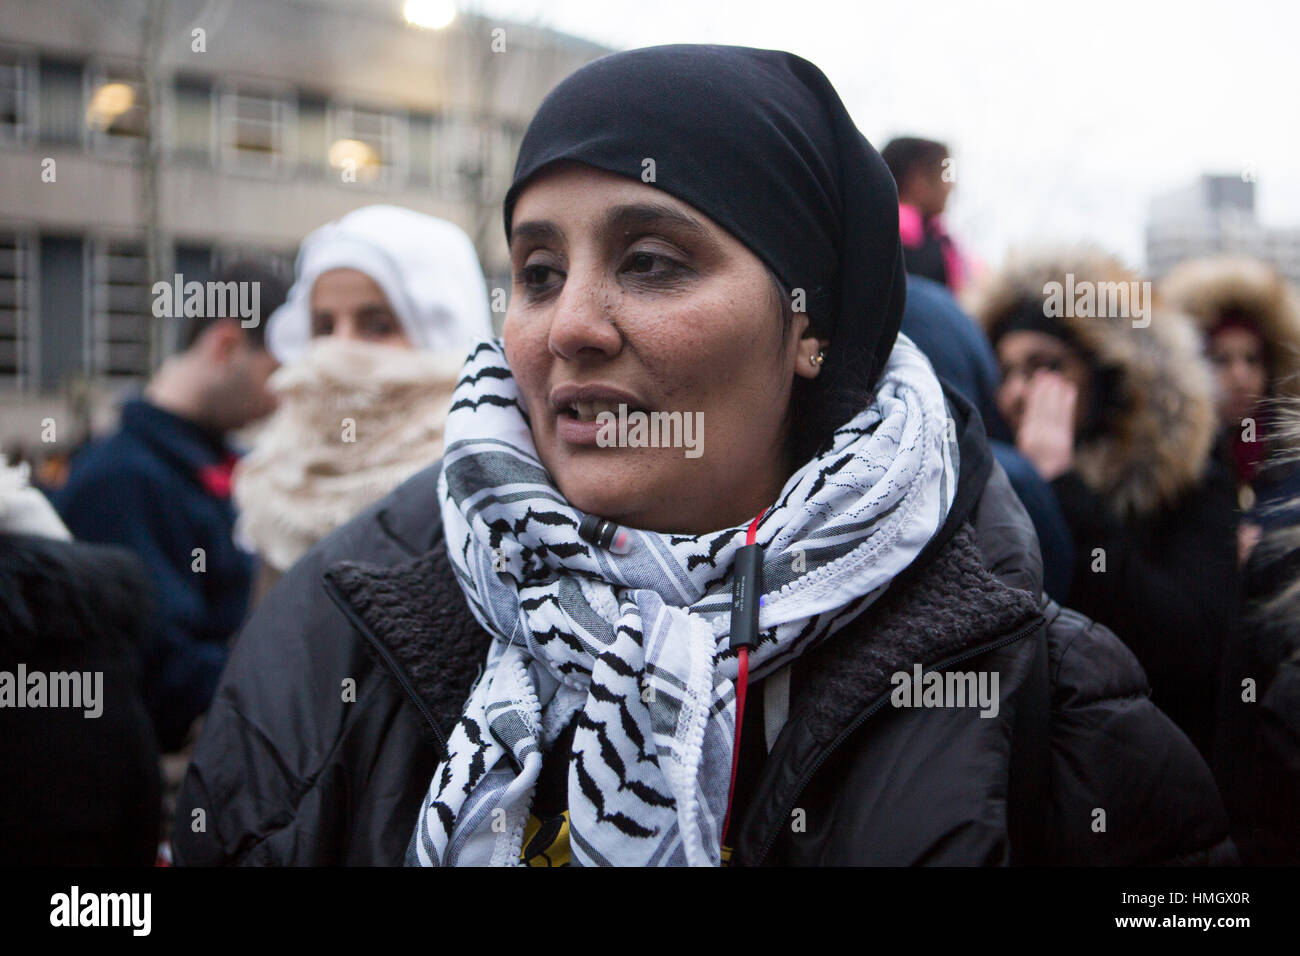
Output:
x,y
1249,316
1116,412
528,653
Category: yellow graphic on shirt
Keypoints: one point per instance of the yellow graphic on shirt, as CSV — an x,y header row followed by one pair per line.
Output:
x,y
546,843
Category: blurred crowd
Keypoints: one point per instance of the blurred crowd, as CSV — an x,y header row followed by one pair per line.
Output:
x,y
1154,447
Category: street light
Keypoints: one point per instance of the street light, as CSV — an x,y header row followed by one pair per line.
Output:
x,y
358,157
430,14
108,103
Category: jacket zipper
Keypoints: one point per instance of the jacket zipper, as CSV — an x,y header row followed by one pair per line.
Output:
x,y
387,657
862,718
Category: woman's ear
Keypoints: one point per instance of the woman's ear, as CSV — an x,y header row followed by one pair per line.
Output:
x,y
811,356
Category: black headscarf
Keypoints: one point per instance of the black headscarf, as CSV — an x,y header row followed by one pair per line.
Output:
x,y
759,141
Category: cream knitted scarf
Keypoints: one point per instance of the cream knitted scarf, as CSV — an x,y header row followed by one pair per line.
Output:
x,y
354,421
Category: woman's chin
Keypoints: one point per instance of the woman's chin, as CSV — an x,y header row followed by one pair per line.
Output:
x,y
604,494
613,485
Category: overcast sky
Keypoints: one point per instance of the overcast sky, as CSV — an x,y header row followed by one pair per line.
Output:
x,y
1065,118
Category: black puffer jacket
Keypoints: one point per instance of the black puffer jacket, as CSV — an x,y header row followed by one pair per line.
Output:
x,y
1257,753
290,772
79,790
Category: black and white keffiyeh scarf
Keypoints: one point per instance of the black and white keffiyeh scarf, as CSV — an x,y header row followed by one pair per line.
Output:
x,y
636,645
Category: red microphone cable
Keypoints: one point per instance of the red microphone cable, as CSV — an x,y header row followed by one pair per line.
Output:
x,y
745,589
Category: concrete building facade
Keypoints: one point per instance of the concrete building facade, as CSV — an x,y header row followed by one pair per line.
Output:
x,y
271,118
1216,214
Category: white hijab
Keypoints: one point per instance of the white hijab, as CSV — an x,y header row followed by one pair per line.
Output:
x,y
426,267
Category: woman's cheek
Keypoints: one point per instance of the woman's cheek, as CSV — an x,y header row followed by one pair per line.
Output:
x,y
1007,406
521,346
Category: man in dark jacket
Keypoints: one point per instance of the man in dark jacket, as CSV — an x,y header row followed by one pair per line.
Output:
x,y
333,714
160,486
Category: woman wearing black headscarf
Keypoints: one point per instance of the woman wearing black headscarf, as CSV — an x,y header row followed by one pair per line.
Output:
x,y
539,651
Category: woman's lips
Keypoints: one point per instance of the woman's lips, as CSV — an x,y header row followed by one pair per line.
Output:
x,y
579,408
575,432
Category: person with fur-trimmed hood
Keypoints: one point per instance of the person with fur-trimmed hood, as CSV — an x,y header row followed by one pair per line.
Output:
x,y
1112,402
1250,319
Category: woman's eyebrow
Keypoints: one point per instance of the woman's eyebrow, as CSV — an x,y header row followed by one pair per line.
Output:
x,y
538,230
617,220
632,215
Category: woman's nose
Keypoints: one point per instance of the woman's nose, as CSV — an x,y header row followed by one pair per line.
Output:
x,y
1239,376
346,329
582,320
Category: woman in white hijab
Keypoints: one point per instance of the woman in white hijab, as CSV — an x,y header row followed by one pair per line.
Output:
x,y
384,307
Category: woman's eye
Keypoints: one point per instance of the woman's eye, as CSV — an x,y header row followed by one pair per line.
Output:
x,y
535,276
651,264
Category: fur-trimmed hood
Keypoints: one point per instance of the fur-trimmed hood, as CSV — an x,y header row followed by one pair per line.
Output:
x,y
1156,443
1206,289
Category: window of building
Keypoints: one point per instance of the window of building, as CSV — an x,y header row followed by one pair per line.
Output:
x,y
117,115
278,261
313,135
15,327
501,150
458,170
16,75
370,143
191,120
121,309
420,149
256,130
473,160
61,96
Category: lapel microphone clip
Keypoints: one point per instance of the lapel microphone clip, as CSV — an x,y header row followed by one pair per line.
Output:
x,y
746,588
605,534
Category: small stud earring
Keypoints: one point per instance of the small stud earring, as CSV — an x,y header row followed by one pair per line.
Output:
x,y
816,360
